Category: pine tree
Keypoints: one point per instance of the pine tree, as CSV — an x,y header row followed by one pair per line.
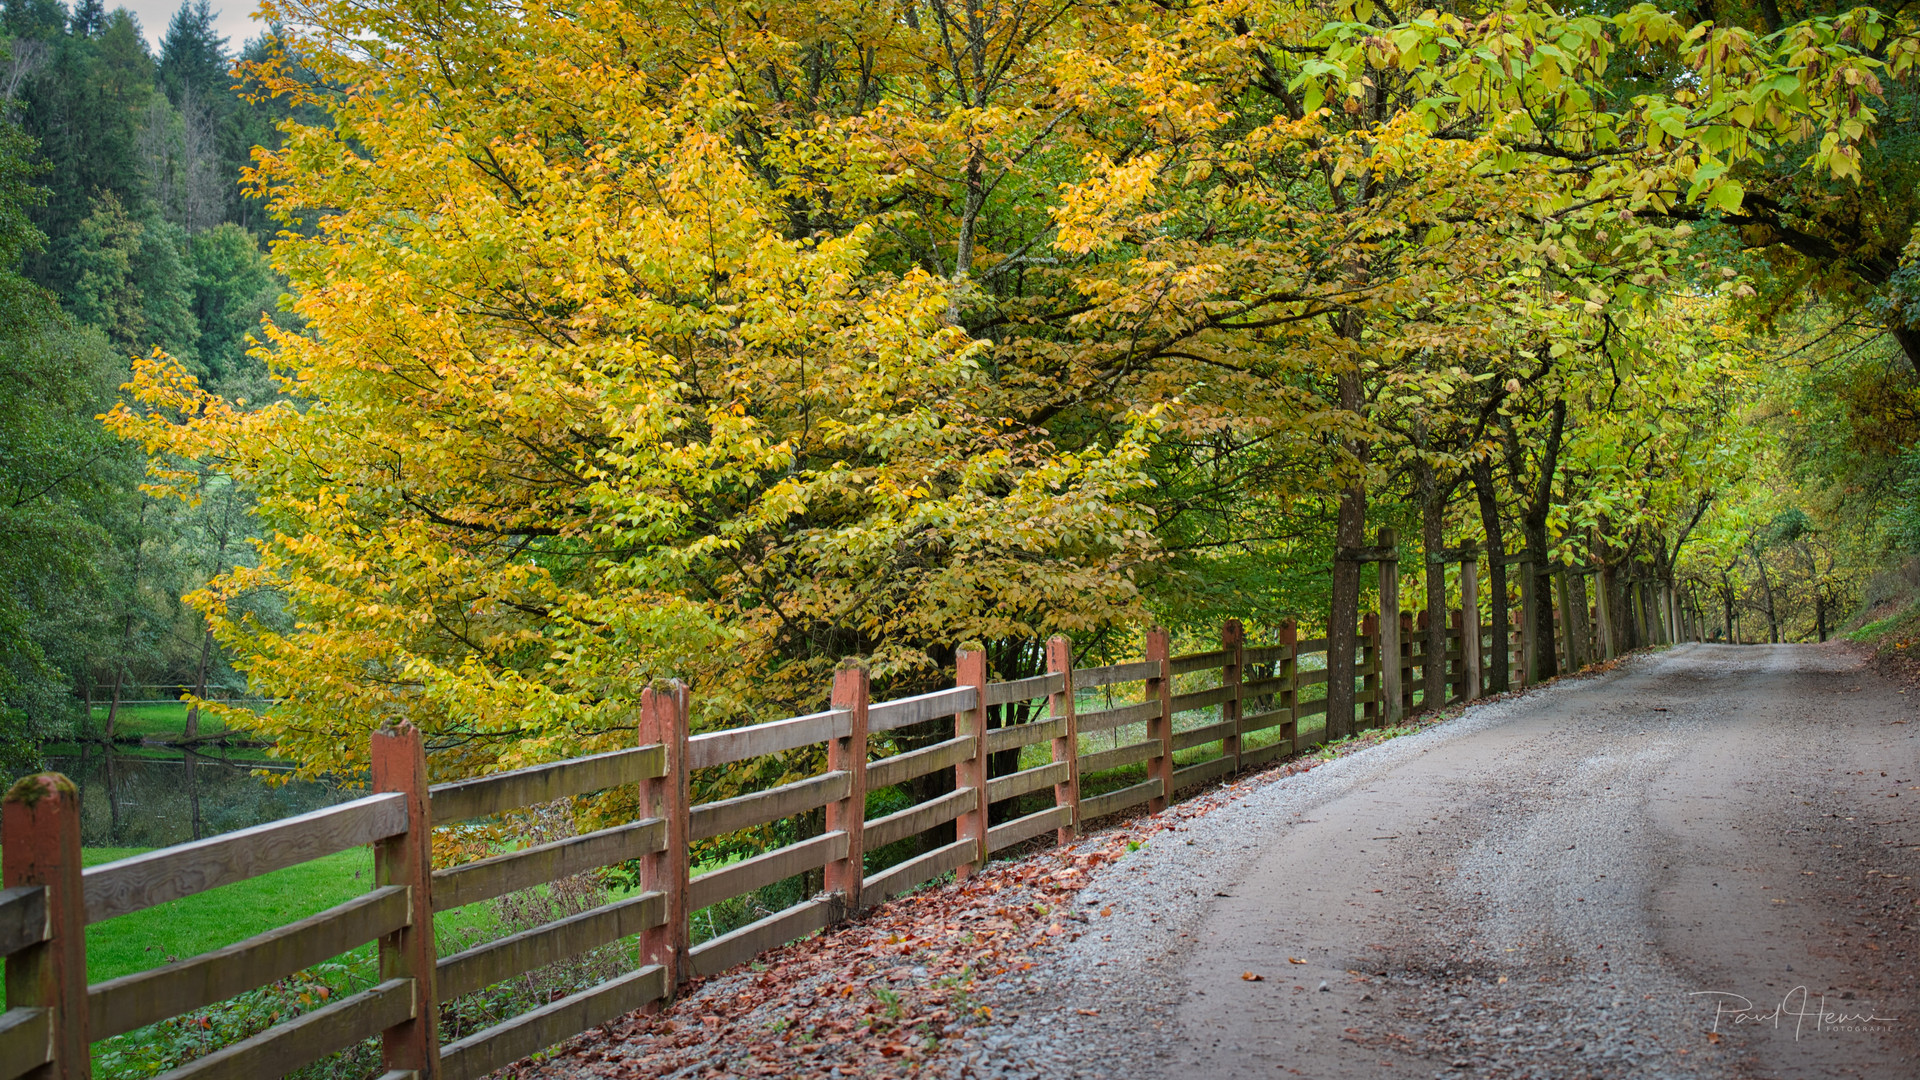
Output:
x,y
193,60
88,19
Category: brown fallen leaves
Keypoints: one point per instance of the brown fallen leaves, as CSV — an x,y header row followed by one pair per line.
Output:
x,y
881,995
873,997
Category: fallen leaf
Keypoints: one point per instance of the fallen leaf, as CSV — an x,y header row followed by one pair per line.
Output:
x,y
1295,960
1248,976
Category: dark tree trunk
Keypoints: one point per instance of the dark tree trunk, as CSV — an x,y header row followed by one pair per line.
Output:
x,y
1344,617
1533,527
1497,661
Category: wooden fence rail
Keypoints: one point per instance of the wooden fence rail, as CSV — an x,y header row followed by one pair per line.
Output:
x,y
1168,724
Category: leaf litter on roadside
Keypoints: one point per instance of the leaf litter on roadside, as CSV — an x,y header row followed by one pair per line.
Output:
x,y
881,995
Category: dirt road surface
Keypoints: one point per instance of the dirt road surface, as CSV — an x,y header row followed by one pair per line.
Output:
x,y
1700,864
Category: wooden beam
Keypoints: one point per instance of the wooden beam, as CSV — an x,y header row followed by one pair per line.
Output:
x,y
488,1051
498,875
140,882
134,1001
715,748
485,796
920,817
777,929
285,1047
741,878
745,811
899,713
901,768
1132,671
23,918
497,961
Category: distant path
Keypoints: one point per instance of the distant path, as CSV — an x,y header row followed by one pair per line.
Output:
x,y
1550,886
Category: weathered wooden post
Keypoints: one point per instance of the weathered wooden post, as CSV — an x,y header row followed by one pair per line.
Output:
x,y
1391,707
1421,622
1570,646
1066,745
1470,625
1290,688
40,844
1530,643
400,764
1456,667
844,876
663,720
1406,663
971,665
1603,612
1160,728
1233,641
1370,667
1517,650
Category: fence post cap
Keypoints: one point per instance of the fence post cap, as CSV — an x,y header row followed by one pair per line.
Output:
x,y
31,789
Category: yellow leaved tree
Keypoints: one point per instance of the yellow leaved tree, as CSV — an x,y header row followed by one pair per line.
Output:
x,y
575,407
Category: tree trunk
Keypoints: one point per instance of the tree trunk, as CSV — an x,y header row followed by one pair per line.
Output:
x,y
1343,628
1766,589
192,731
1497,661
113,705
1533,525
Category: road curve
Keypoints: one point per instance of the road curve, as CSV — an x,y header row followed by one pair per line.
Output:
x,y
1701,864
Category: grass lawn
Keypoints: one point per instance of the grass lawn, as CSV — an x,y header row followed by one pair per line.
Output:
x,y
222,916
218,917
158,718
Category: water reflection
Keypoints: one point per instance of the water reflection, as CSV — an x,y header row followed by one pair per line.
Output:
x,y
128,801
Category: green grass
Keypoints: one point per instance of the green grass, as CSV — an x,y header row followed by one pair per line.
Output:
x,y
209,920
1899,621
161,718
218,917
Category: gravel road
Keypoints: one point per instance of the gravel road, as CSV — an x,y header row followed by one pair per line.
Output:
x,y
1700,864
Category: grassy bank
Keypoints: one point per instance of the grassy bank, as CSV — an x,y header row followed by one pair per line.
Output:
x,y
217,917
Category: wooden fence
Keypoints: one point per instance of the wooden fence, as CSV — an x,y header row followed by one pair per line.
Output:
x,y
1171,723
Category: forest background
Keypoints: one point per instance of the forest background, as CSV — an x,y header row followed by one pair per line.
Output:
x,y
477,364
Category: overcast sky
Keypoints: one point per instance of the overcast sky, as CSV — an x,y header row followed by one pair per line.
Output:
x,y
233,19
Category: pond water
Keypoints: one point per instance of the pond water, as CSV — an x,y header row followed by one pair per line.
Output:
x,y
129,801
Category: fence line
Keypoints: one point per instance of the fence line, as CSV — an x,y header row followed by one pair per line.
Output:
x,y
1255,704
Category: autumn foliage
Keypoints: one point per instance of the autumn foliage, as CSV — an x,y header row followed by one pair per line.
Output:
x,y
725,340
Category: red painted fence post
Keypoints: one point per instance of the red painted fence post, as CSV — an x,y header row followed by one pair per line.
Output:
x,y
1406,663
40,835
1233,639
663,720
971,670
1160,729
1370,663
849,815
1066,745
400,764
1290,693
